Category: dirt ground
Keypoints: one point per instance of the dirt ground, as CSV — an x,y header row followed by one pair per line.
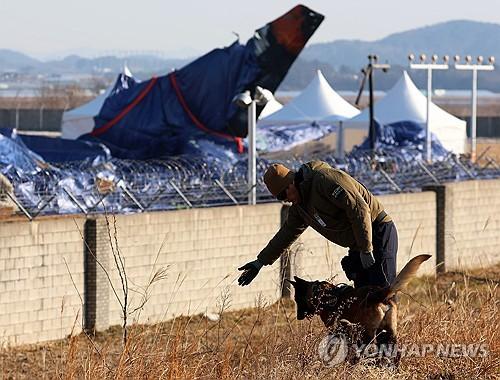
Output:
x,y
267,342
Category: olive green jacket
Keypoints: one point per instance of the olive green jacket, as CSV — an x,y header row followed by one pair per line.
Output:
x,y
335,205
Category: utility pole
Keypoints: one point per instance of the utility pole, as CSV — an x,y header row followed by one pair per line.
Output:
x,y
368,72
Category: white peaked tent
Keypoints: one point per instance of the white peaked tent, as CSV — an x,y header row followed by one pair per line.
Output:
x,y
317,101
405,102
80,120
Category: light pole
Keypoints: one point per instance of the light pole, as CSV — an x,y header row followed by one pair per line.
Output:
x,y
245,100
340,141
433,65
252,153
474,68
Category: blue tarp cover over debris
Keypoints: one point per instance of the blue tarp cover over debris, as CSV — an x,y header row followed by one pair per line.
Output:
x,y
164,116
159,126
404,135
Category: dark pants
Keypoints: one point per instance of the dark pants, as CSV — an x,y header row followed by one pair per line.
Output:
x,y
385,250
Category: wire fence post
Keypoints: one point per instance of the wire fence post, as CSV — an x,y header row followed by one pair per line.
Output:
x,y
122,186
18,204
181,194
428,172
390,180
75,201
226,191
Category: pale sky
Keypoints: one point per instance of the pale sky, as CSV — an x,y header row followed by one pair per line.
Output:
x,y
183,28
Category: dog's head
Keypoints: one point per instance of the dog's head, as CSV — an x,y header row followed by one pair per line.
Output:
x,y
307,296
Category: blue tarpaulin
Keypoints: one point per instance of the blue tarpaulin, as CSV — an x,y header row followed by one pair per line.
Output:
x,y
284,137
57,149
158,115
404,135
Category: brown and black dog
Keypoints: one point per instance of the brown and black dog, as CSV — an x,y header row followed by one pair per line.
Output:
x,y
372,308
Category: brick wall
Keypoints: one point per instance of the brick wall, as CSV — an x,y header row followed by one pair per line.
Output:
x,y
472,227
202,249
38,300
415,218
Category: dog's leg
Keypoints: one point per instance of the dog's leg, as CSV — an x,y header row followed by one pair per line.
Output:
x,y
389,324
352,333
387,339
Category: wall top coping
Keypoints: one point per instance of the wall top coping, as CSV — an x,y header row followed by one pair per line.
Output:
x,y
472,182
20,217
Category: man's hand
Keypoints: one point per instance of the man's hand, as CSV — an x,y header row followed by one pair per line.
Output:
x,y
250,271
349,267
367,259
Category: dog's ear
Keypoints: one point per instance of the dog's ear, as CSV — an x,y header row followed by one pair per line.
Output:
x,y
291,281
299,280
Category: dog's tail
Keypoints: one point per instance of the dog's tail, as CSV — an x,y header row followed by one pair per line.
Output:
x,y
406,274
403,278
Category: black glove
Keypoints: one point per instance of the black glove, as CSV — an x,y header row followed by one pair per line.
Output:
x,y
250,271
349,267
367,259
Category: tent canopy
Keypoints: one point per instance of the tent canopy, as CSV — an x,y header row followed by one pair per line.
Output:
x,y
405,102
317,101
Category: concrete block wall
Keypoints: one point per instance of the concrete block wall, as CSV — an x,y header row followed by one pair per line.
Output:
x,y
201,249
472,224
415,217
38,300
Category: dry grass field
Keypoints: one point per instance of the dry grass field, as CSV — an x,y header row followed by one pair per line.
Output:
x,y
267,342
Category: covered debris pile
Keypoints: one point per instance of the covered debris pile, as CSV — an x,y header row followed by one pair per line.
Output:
x,y
114,185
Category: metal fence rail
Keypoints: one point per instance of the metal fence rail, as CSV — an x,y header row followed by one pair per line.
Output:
x,y
134,186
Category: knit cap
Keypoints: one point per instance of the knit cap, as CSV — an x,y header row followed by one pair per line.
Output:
x,y
277,178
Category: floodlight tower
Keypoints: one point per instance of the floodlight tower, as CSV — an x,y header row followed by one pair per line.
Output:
x,y
474,68
433,65
245,100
